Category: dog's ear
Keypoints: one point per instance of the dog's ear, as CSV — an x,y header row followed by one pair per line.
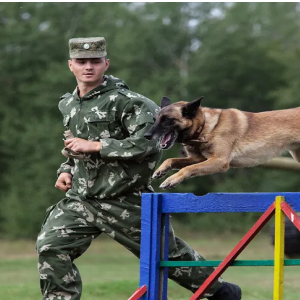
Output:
x,y
191,108
165,101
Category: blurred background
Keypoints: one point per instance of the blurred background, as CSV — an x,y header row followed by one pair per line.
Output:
x,y
242,55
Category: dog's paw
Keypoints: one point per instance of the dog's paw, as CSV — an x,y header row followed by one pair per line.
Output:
x,y
169,183
165,186
163,169
158,174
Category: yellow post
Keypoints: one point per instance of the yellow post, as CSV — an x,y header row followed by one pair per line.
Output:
x,y
279,250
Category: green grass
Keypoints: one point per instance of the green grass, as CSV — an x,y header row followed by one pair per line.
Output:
x,y
109,271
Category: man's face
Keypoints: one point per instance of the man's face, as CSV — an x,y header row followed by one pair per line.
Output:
x,y
89,70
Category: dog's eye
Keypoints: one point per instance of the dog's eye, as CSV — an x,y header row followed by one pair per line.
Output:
x,y
167,120
171,120
164,119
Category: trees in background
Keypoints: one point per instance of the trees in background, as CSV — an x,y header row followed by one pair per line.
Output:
x,y
243,55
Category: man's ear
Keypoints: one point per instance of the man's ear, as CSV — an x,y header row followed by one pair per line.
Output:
x,y
190,109
70,64
165,101
107,61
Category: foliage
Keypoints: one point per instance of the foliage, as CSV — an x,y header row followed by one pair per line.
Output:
x,y
243,55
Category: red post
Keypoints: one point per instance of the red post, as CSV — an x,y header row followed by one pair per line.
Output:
x,y
291,214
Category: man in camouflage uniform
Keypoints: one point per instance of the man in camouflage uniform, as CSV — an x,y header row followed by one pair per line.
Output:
x,y
109,165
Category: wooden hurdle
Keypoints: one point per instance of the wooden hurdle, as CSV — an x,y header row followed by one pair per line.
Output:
x,y
156,208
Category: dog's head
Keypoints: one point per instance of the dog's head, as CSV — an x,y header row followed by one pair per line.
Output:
x,y
175,123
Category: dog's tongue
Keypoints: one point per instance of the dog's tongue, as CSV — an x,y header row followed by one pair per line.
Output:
x,y
165,139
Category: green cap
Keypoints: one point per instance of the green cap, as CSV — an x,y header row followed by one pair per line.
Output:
x,y
92,47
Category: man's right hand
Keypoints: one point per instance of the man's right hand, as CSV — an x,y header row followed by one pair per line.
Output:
x,y
64,182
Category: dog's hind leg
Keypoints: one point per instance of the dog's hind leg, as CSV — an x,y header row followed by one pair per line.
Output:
x,y
176,164
296,154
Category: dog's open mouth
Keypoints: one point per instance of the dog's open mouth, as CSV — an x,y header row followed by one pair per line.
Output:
x,y
168,140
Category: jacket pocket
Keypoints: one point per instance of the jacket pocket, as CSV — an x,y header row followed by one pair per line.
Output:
x,y
99,126
48,213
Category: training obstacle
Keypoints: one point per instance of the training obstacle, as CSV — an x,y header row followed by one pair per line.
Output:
x,y
156,208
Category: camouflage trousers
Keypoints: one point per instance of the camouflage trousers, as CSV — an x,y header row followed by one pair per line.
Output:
x,y
71,225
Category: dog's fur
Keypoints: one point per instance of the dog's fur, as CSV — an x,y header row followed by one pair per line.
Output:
x,y
218,139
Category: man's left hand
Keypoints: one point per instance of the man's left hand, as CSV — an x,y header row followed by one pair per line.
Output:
x,y
84,146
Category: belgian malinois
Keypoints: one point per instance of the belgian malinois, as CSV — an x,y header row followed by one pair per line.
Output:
x,y
218,139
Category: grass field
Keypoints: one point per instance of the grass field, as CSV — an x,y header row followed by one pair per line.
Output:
x,y
111,272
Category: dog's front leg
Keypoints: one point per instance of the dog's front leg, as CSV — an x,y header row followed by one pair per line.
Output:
x,y
175,164
210,166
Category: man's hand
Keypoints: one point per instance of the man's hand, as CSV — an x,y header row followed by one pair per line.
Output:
x,y
81,145
64,182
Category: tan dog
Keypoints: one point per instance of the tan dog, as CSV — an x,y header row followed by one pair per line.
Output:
x,y
218,139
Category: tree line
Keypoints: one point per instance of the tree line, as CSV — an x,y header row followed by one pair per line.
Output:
x,y
242,55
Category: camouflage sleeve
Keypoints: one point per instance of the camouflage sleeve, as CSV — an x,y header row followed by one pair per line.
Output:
x,y
66,167
137,118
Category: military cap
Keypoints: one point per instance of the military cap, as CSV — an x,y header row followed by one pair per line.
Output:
x,y
92,47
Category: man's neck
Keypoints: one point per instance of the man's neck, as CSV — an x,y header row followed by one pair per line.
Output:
x,y
83,89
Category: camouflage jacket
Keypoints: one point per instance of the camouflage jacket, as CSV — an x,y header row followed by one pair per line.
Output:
x,y
119,118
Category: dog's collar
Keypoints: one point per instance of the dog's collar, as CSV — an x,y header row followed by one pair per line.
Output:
x,y
195,142
195,138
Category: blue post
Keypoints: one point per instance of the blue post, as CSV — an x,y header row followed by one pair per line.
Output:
x,y
156,233
165,255
150,244
145,253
